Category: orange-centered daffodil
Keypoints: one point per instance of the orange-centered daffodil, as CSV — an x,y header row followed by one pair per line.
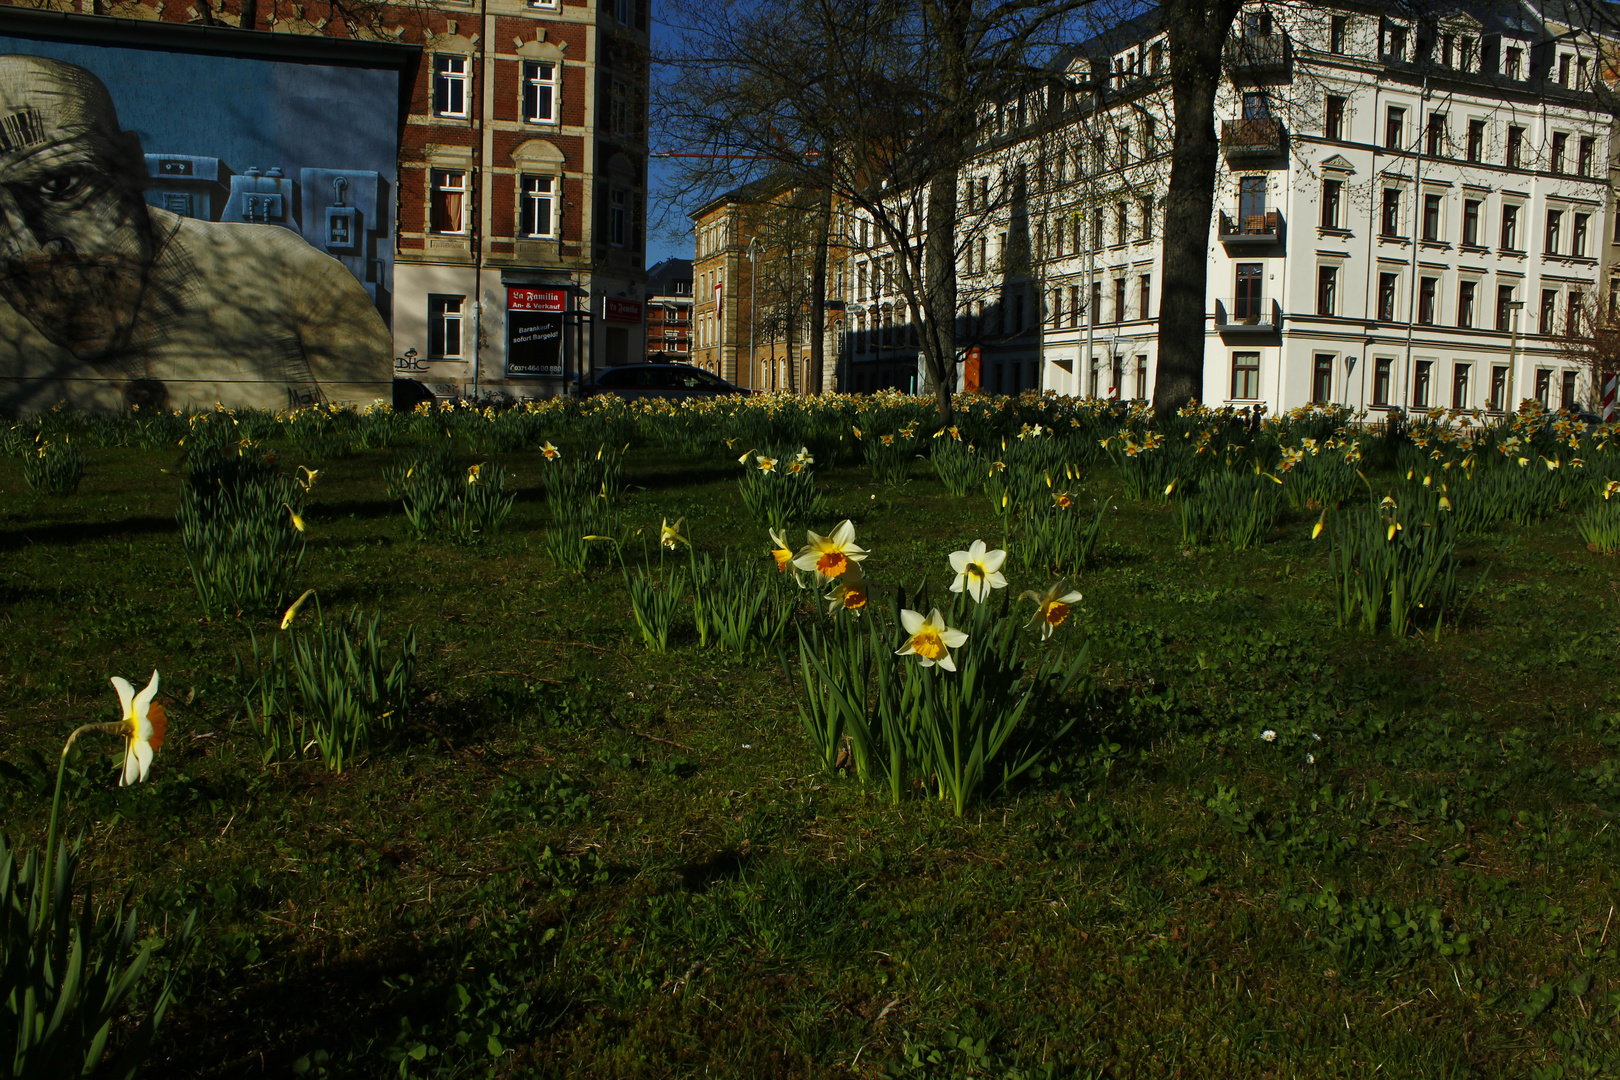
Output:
x,y
143,726
830,556
1051,608
930,639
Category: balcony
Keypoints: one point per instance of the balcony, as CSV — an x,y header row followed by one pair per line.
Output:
x,y
1256,54
1251,139
1243,230
1248,315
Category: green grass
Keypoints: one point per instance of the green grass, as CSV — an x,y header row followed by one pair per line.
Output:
x,y
577,858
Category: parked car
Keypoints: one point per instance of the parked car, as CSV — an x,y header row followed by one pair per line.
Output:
x,y
673,381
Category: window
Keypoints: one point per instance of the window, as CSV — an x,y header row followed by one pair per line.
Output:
x,y
1386,297
1583,160
624,12
448,201
1435,143
1334,126
1567,399
1499,376
618,217
444,327
1394,121
1381,380
1560,143
1468,53
1422,371
1563,74
536,214
1549,311
1465,302
1577,235
1246,302
1504,307
1390,223
1332,199
1141,377
622,113
449,86
1096,230
1122,227
1119,299
1327,286
1095,311
1426,298
1124,146
1470,235
1459,386
1145,297
1322,379
1074,305
1583,73
1256,105
1543,385
1251,198
1057,308
1577,310
1512,62
1147,218
1476,139
1555,224
1431,217
1395,44
1245,376
539,92
1336,29
1510,228
1515,146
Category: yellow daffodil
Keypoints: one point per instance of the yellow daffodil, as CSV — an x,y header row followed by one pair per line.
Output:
x,y
297,519
930,638
743,458
978,570
1611,489
848,593
803,457
551,452
1321,523
766,464
472,473
1551,463
670,535
1445,503
1063,500
307,481
830,556
1051,608
292,612
781,552
143,725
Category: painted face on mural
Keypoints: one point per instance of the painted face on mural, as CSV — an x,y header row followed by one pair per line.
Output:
x,y
75,236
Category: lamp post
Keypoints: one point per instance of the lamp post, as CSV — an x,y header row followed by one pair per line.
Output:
x,y
1514,307
753,295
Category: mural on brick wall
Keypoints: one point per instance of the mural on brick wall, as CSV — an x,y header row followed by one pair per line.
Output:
x,y
181,230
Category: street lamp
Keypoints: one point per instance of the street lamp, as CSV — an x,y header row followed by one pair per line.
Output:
x,y
1514,307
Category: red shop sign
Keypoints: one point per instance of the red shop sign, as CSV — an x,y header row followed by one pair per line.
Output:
x,y
536,300
617,310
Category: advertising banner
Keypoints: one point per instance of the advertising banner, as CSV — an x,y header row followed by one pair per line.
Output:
x,y
534,332
616,310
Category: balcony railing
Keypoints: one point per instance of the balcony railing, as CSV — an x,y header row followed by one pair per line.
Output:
x,y
1248,314
1252,54
1254,137
1255,228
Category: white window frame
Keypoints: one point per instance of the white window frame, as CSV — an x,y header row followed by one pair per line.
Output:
x,y
449,180
453,75
533,78
448,312
530,195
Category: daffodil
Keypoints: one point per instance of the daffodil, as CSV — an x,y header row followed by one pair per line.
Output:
x,y
307,481
848,593
978,570
292,612
297,519
803,457
830,556
766,464
1611,489
472,473
1063,500
930,638
1051,607
143,726
782,553
742,459
670,535
551,452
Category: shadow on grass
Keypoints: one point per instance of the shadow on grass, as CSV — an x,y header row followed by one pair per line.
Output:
x,y
68,533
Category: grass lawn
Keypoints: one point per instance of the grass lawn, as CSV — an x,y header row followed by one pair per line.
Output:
x,y
579,858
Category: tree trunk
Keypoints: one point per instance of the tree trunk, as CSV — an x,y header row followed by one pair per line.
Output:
x,y
1198,30
818,294
939,268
